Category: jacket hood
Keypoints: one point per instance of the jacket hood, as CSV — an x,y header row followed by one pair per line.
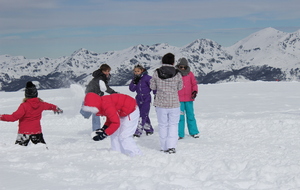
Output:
x,y
92,102
166,71
34,102
99,73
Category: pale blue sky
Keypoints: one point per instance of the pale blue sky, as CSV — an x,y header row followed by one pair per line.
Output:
x,y
54,28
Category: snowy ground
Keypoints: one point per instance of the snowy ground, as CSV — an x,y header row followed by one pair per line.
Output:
x,y
249,140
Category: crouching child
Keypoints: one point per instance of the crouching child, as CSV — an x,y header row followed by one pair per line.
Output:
x,y
122,116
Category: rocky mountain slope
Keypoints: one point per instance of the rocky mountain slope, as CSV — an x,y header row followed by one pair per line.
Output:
x,y
266,55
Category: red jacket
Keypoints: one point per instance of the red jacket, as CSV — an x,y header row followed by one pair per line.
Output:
x,y
189,85
112,106
29,115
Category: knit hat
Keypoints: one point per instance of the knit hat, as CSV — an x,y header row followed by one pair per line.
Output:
x,y
169,58
183,61
30,90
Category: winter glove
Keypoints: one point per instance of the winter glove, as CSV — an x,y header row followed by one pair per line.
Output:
x,y
99,135
136,79
58,110
194,94
104,127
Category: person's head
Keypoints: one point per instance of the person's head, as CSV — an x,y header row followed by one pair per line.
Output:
x,y
138,69
182,64
168,58
105,69
30,90
92,103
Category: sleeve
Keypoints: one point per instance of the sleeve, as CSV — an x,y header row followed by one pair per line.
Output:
x,y
180,82
132,87
105,88
194,83
153,84
148,85
48,106
112,120
18,114
102,86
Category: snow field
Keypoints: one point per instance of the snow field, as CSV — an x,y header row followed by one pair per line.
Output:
x,y
249,140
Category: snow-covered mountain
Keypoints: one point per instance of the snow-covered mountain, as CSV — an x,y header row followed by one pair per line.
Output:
x,y
266,55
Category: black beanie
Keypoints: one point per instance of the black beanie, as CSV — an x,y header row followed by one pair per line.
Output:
x,y
169,58
30,90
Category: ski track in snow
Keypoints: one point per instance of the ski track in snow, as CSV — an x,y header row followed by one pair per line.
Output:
x,y
249,140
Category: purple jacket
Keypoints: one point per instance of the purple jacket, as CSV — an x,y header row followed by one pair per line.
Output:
x,y
142,88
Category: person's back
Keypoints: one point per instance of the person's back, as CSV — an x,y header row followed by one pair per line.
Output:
x,y
29,115
167,81
122,115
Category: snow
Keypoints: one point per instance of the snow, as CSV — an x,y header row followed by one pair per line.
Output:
x,y
249,140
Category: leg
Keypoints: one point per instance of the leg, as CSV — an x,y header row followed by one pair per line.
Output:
x,y
140,126
173,120
162,118
115,143
144,112
191,121
139,129
37,138
96,122
22,139
182,120
85,114
127,129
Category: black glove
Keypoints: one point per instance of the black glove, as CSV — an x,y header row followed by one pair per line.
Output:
x,y
99,135
58,111
136,79
194,94
104,127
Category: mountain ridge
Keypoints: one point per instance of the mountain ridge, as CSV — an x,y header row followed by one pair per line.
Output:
x,y
266,55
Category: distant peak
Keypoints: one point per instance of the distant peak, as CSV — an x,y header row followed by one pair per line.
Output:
x,y
269,31
202,43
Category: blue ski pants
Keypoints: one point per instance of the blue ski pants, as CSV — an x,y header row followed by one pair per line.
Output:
x,y
187,113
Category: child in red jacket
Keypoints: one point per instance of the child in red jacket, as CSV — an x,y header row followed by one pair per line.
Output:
x,y
122,117
29,115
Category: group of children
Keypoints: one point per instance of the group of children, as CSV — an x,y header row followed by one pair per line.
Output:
x,y
174,89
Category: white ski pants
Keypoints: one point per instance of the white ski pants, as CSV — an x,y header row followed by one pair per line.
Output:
x,y
168,119
122,139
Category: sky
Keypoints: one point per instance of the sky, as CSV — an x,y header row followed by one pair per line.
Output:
x,y
55,28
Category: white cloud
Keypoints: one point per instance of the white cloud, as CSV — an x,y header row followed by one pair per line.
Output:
x,y
19,15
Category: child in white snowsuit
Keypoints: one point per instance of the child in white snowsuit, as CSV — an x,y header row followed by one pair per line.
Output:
x,y
122,116
167,81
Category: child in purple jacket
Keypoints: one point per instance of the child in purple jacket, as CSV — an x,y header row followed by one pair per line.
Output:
x,y
141,85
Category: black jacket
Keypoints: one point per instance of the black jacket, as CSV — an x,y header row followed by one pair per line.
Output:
x,y
166,72
94,86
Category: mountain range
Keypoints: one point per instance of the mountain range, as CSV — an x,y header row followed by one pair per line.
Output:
x,y
267,55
